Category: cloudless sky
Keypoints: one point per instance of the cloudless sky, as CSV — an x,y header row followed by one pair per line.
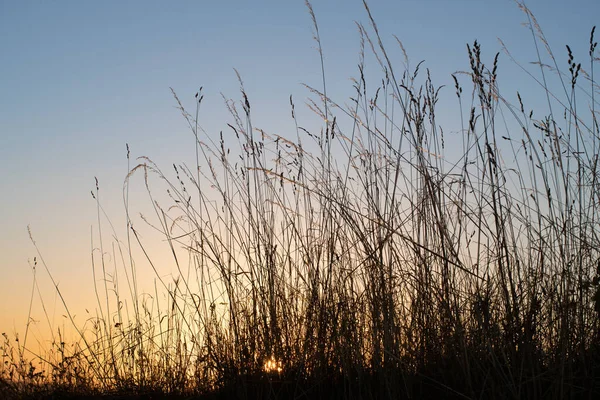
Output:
x,y
80,79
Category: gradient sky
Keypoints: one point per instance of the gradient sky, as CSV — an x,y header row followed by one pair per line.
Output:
x,y
80,79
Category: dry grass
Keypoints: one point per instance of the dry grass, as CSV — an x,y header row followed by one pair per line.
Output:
x,y
362,260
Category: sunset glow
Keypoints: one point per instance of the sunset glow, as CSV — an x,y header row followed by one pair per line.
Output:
x,y
272,365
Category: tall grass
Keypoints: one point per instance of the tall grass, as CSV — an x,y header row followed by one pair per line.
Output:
x,y
367,259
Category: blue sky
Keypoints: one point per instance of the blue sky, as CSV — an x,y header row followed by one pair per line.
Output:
x,y
80,79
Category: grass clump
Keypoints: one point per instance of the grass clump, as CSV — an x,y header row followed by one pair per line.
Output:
x,y
367,259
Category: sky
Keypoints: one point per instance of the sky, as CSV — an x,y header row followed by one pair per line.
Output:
x,y
81,79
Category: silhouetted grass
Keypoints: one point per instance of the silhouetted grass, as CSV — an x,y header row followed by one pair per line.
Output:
x,y
369,259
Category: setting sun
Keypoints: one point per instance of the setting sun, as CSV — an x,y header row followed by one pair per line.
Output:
x,y
272,365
